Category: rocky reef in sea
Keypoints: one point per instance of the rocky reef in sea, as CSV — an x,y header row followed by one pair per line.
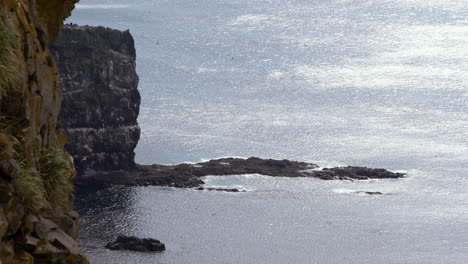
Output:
x,y
37,221
188,175
100,97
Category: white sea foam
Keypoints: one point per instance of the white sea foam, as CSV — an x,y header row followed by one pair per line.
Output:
x,y
351,192
240,182
328,164
204,70
344,191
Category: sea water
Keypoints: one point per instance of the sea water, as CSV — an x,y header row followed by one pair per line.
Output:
x,y
379,83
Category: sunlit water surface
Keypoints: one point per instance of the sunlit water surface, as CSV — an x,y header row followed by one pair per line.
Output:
x,y
381,83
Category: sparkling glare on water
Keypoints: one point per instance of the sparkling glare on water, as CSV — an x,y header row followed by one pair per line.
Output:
x,y
381,83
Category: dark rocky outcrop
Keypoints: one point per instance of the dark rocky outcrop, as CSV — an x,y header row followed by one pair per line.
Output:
x,y
233,190
136,244
189,175
371,193
354,173
100,97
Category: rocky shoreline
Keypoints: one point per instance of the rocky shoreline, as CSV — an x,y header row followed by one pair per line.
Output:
x,y
190,175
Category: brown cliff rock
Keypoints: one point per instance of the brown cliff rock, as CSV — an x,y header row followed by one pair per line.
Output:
x,y
37,223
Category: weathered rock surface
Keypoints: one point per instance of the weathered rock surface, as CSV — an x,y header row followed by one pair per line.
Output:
x,y
100,97
136,244
35,227
189,175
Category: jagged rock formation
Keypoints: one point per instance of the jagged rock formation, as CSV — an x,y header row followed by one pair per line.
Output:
x,y
101,101
37,223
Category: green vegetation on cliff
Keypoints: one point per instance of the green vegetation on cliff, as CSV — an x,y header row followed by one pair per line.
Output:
x,y
30,188
56,170
50,184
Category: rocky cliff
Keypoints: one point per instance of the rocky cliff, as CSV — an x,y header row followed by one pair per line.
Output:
x,y
37,223
101,101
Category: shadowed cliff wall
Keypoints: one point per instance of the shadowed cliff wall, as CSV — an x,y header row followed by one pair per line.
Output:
x,y
37,223
101,101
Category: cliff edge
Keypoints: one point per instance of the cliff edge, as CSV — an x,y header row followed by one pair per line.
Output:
x,y
37,223
101,100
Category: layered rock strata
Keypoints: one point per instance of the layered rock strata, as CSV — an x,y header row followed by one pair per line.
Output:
x,y
37,223
100,96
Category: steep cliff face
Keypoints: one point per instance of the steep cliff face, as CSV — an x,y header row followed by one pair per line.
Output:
x,y
101,101
37,223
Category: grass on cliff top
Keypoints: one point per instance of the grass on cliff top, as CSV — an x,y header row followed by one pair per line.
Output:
x,y
8,59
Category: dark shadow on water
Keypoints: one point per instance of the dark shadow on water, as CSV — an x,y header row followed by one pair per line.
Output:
x,y
105,213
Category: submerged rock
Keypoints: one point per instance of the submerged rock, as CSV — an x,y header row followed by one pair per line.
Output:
x,y
372,193
234,190
136,244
